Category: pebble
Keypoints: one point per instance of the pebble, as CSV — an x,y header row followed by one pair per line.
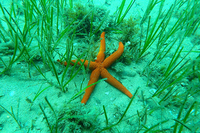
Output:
x,y
12,93
106,93
152,91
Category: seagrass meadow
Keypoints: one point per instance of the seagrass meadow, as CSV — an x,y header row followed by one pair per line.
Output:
x,y
40,92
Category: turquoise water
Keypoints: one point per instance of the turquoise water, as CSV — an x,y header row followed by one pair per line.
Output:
x,y
159,66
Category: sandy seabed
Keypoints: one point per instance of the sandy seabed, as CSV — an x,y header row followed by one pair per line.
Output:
x,y
17,91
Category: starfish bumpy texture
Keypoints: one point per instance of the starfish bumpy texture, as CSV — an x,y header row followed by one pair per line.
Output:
x,y
99,67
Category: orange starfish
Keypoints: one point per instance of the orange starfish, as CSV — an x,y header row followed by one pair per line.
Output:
x,y
98,68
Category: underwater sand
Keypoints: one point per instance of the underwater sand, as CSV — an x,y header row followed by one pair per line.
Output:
x,y
18,89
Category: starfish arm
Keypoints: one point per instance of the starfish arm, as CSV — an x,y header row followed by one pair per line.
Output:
x,y
113,57
114,82
101,55
93,78
92,65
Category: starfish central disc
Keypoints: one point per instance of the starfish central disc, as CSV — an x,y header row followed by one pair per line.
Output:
x,y
100,66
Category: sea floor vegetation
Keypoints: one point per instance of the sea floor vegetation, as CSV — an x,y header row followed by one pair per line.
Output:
x,y
160,66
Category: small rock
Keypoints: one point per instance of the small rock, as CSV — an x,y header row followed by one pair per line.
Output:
x,y
107,93
152,91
